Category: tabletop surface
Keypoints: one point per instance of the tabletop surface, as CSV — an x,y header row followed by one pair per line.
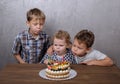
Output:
x,y
29,74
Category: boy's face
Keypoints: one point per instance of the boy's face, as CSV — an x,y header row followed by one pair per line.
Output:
x,y
35,26
79,49
59,46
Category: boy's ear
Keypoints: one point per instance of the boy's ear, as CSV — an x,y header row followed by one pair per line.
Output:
x,y
88,50
69,45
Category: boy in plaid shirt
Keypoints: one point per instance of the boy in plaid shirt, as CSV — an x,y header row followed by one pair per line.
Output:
x,y
30,45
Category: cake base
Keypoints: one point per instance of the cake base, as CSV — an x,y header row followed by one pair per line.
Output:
x,y
57,74
57,77
72,74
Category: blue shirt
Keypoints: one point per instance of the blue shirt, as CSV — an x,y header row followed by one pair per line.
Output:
x,y
30,49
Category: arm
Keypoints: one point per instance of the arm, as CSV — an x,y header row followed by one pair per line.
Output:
x,y
104,62
17,48
50,50
45,59
19,59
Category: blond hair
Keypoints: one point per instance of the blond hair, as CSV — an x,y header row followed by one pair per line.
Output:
x,y
61,34
35,12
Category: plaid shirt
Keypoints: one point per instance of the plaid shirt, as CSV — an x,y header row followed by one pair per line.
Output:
x,y
30,49
68,57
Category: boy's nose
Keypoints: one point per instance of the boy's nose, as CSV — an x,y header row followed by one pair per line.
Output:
x,y
75,49
38,26
58,47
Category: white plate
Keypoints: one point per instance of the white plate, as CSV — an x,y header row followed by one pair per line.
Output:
x,y
73,73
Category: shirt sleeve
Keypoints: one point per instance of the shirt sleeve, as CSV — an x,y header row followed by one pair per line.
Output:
x,y
70,57
94,54
99,55
16,46
73,60
46,56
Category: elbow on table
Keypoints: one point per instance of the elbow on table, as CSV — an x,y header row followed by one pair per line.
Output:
x,y
110,62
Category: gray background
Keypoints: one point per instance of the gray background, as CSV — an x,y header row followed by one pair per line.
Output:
x,y
100,16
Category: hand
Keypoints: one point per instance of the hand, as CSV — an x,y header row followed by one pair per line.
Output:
x,y
83,63
46,61
50,50
91,62
104,62
23,62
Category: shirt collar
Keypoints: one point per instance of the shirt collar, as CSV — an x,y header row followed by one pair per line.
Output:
x,y
30,36
67,51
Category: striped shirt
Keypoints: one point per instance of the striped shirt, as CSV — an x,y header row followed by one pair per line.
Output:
x,y
67,57
30,49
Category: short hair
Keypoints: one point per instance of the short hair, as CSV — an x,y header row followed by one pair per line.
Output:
x,y
85,36
35,12
63,35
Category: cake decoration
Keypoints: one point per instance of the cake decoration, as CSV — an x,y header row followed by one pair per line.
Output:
x,y
56,69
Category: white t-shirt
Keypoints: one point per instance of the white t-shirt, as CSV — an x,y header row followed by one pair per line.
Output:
x,y
93,54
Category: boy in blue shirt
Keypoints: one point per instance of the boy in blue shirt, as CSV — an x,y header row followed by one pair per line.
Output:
x,y
30,45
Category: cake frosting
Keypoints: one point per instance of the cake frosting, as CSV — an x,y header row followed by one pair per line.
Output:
x,y
58,70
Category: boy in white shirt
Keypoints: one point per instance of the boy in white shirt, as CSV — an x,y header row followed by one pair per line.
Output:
x,y
83,52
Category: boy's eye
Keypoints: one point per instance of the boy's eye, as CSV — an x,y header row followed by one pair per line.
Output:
x,y
58,45
41,24
55,44
61,45
80,48
77,46
74,45
35,24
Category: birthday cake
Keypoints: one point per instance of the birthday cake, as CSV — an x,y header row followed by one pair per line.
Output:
x,y
58,70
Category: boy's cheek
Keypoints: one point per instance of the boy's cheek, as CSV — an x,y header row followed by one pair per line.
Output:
x,y
74,53
72,50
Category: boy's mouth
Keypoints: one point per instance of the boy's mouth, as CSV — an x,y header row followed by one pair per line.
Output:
x,y
74,53
57,52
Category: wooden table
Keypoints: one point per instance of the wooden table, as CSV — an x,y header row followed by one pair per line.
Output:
x,y
29,74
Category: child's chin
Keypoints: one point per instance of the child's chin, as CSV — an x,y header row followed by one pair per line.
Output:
x,y
74,54
36,34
